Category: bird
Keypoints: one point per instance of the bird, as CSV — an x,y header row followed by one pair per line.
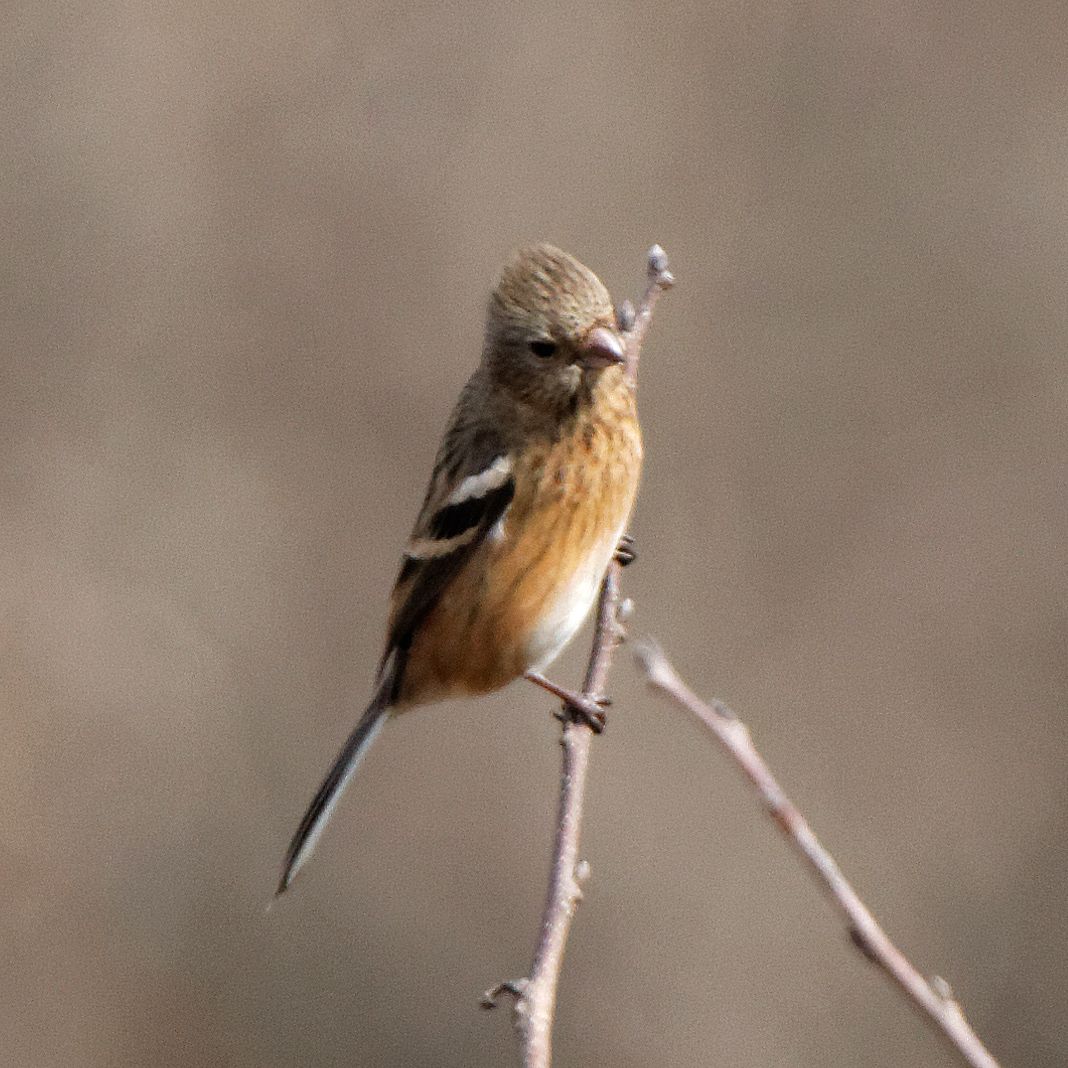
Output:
x,y
532,489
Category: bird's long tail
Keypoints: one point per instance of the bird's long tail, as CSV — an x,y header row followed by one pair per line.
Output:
x,y
322,806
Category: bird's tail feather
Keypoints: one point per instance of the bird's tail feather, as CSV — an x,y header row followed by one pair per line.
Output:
x,y
322,805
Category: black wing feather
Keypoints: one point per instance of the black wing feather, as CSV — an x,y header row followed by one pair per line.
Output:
x,y
431,577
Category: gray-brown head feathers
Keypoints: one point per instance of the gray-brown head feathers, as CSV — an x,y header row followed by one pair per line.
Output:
x,y
550,328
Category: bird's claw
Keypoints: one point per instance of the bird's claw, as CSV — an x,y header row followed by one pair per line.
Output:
x,y
626,550
588,710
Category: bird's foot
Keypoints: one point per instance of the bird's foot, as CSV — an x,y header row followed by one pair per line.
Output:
x,y
590,710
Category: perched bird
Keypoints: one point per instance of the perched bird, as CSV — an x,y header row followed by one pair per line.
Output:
x,y
531,491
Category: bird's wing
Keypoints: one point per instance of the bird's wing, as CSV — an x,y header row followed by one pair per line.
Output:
x,y
472,486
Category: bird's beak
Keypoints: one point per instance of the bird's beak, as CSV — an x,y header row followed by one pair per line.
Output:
x,y
602,348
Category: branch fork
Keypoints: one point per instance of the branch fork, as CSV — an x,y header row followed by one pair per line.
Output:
x,y
534,997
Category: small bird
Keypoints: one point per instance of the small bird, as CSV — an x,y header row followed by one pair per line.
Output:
x,y
531,492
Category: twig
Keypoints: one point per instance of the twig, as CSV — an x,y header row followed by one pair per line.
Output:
x,y
635,323
535,997
535,1008
935,998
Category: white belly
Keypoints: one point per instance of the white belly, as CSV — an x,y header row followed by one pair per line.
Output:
x,y
571,607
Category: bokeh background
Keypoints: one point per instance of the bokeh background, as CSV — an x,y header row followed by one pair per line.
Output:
x,y
247,249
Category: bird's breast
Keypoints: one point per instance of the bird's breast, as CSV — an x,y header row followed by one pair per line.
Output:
x,y
572,505
532,581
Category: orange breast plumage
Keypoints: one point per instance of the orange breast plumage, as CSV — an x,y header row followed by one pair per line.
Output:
x,y
532,582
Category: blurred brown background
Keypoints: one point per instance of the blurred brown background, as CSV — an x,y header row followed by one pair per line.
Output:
x,y
247,252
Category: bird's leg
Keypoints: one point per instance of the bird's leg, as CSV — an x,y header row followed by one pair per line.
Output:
x,y
590,710
626,550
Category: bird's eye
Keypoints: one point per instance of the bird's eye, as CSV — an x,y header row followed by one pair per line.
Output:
x,y
543,347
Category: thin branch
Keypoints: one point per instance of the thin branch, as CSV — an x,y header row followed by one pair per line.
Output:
x,y
636,323
933,999
535,1004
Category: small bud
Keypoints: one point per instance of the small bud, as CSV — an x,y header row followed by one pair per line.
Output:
x,y
658,268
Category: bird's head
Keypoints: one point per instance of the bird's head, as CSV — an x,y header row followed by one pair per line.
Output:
x,y
551,330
